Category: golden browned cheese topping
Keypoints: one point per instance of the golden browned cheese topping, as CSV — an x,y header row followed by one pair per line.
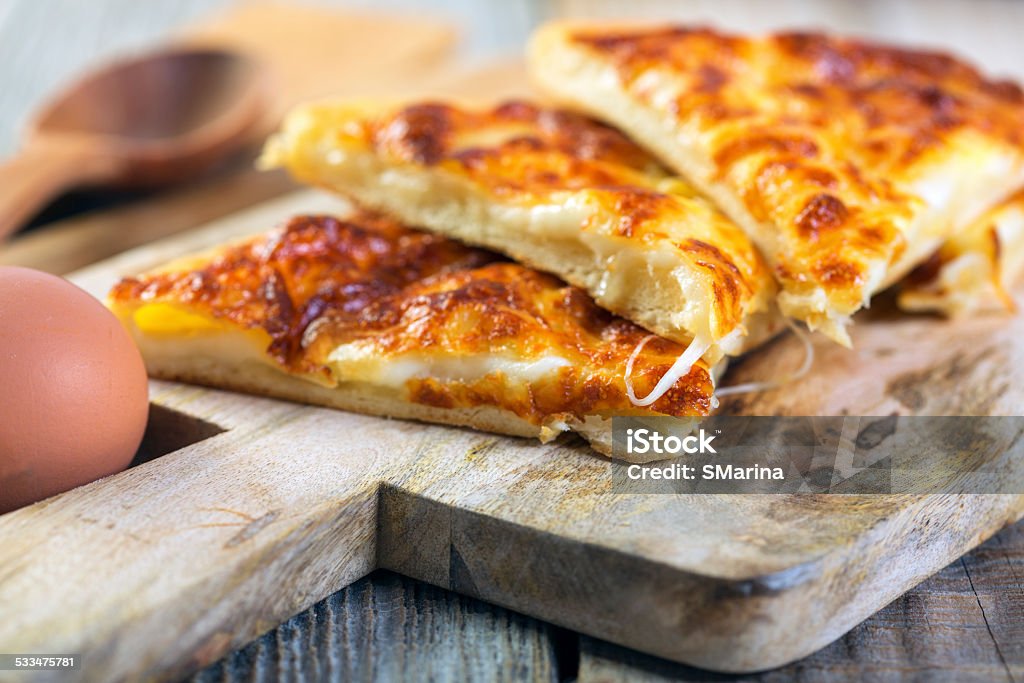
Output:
x,y
818,134
525,155
513,149
321,283
892,104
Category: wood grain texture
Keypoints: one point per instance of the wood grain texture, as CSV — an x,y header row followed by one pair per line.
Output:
x,y
277,548
950,628
285,507
966,623
917,365
389,628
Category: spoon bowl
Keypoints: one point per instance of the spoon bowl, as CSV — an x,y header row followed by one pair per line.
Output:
x,y
147,121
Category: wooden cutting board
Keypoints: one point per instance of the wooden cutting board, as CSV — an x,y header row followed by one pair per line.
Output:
x,y
262,508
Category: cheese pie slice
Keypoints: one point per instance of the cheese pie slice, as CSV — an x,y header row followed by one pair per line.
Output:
x,y
366,315
847,162
976,269
555,191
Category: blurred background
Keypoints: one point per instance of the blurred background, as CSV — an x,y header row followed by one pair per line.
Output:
x,y
43,43
46,44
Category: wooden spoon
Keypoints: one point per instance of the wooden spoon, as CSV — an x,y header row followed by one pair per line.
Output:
x,y
141,122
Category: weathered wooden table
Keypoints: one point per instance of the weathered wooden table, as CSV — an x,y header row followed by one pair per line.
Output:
x,y
966,623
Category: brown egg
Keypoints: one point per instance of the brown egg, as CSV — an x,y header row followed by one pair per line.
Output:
x,y
73,390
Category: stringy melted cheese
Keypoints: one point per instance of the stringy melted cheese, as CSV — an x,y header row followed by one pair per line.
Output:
x,y
679,369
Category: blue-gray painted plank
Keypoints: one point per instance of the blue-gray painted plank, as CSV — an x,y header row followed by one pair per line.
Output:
x,y
389,628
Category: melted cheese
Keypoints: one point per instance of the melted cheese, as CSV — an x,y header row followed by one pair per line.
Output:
x,y
366,301
168,319
679,369
551,189
846,162
362,362
976,269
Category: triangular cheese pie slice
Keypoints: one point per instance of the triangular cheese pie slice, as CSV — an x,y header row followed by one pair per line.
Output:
x,y
976,269
847,162
366,315
555,191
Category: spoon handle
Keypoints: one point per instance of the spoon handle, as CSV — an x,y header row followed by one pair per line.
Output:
x,y
40,172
